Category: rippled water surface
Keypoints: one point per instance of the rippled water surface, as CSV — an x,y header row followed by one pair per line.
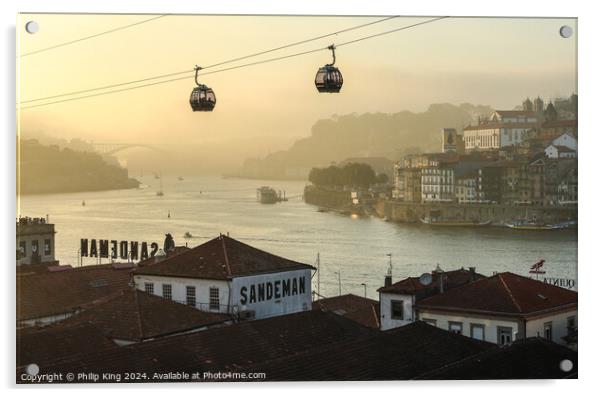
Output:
x,y
355,247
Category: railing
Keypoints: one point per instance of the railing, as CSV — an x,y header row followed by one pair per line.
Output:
x,y
209,307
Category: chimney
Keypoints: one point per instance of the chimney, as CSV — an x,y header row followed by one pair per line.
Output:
x,y
388,280
473,271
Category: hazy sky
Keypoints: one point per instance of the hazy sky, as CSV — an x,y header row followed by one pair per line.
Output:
x,y
492,61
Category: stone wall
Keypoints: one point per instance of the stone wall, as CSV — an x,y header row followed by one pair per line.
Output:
x,y
412,212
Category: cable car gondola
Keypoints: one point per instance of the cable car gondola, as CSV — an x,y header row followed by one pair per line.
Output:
x,y
329,78
202,98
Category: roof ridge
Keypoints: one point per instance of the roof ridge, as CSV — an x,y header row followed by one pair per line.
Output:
x,y
226,255
520,310
138,313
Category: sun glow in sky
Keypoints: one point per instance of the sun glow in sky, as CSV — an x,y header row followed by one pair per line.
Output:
x,y
490,61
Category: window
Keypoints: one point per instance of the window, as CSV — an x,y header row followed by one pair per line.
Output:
x,y
455,327
47,247
214,298
504,335
571,324
477,331
190,295
149,288
547,330
34,247
23,248
167,291
397,310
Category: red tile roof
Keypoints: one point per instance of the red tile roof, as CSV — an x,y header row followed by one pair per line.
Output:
x,y
228,348
361,310
135,316
506,294
498,125
451,279
559,123
44,293
41,345
510,113
220,259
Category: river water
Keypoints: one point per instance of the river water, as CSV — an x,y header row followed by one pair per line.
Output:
x,y
354,247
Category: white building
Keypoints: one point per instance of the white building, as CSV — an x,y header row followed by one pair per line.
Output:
x,y
503,128
226,276
503,308
566,140
397,301
35,241
437,184
560,152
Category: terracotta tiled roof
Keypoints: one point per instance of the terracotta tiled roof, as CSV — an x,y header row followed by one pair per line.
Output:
x,y
135,315
451,279
405,353
353,307
45,293
532,358
503,294
41,345
559,123
498,125
510,113
220,259
228,348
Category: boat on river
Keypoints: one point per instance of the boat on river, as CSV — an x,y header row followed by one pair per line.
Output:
x,y
267,195
522,224
437,221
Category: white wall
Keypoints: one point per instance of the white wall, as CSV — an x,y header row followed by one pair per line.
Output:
x,y
178,289
230,292
559,326
490,324
566,140
278,304
386,322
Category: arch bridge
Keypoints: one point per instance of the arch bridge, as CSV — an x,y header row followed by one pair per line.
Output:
x,y
109,148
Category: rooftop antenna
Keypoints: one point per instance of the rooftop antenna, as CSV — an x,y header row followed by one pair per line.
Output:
x,y
390,271
318,266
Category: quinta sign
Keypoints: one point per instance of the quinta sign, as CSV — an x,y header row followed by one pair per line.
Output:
x,y
117,249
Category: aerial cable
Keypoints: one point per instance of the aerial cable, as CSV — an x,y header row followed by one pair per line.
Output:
x,y
233,67
92,36
213,65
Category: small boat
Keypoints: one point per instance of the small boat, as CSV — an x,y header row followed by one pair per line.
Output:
x,y
531,225
83,203
187,235
160,191
180,178
267,195
436,221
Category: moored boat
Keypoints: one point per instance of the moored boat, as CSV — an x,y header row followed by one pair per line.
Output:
x,y
267,195
453,222
531,225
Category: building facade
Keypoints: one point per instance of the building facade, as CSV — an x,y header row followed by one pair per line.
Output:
x,y
502,309
224,275
35,241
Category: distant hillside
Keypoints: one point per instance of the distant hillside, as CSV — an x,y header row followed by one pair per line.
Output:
x,y
50,169
366,135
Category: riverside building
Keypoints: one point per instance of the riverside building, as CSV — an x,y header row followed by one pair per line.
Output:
x,y
35,241
224,275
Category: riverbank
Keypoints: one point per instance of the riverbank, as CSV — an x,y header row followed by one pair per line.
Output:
x,y
398,211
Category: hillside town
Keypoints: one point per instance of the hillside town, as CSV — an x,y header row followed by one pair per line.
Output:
x,y
228,311
525,157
